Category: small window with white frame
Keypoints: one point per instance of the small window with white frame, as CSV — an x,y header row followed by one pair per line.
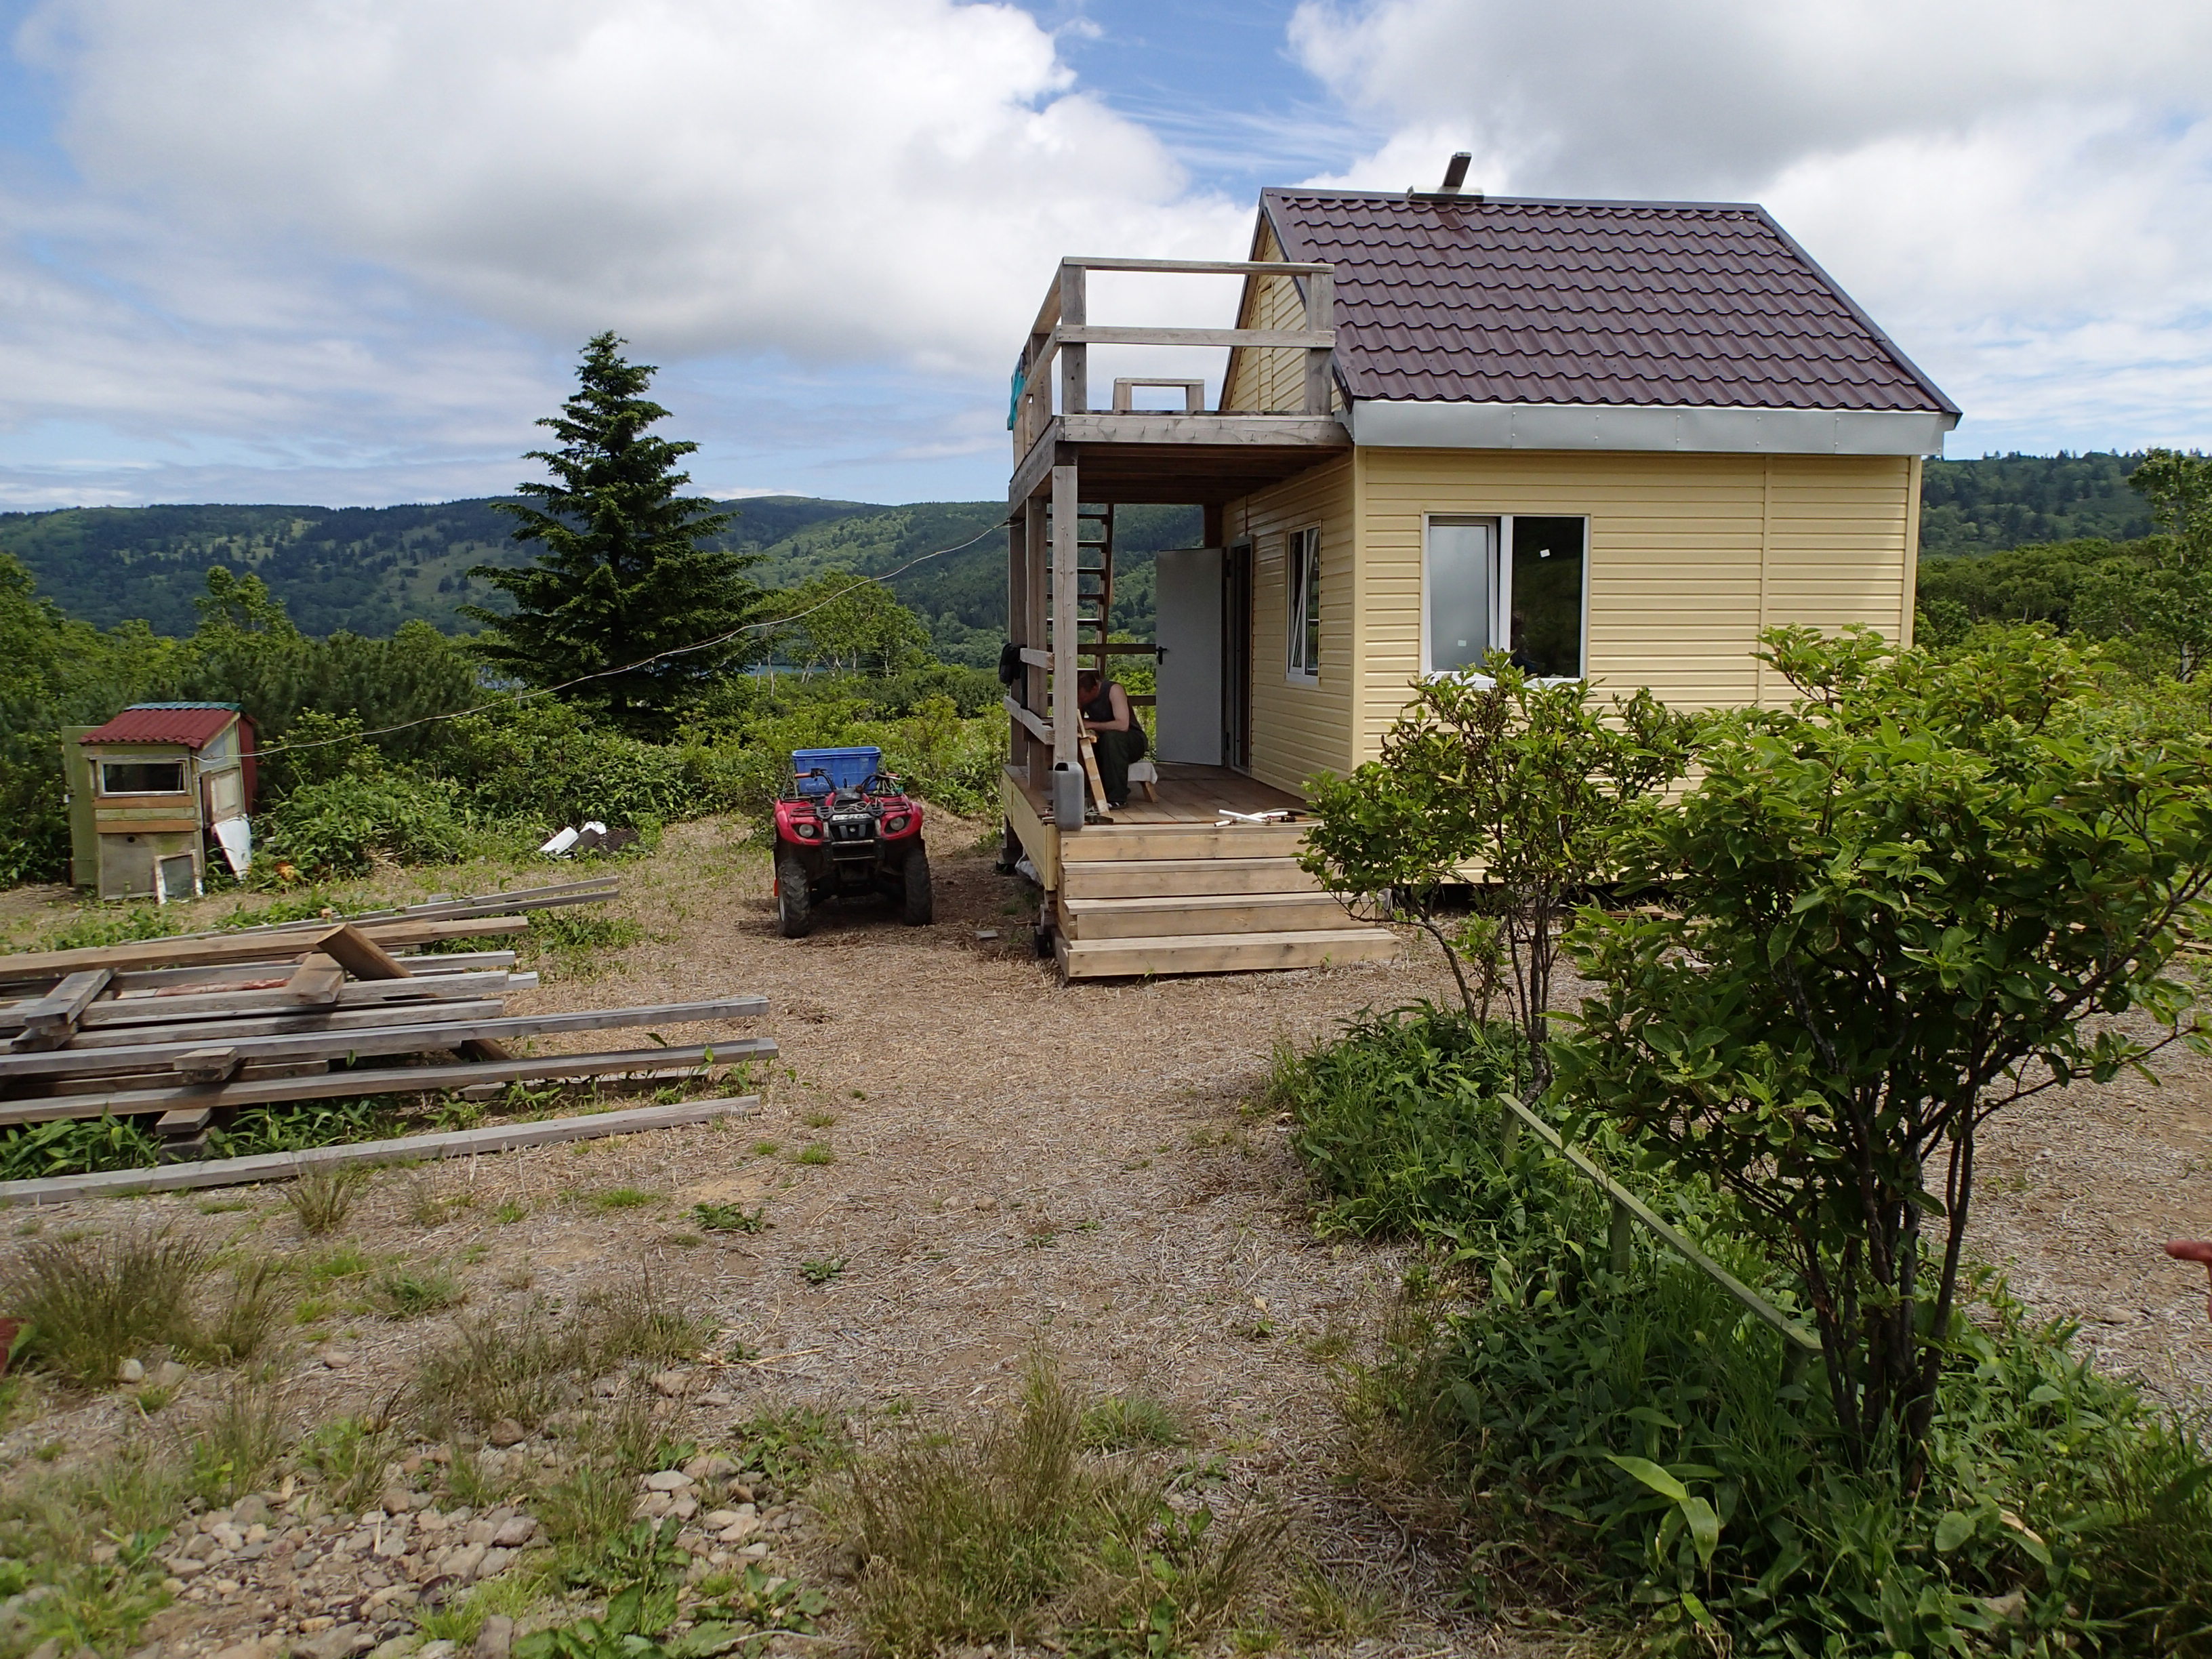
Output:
x,y
1301,581
1508,581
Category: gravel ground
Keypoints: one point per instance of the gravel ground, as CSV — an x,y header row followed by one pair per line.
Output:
x,y
1006,1167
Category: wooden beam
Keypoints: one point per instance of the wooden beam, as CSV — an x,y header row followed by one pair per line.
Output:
x,y
1074,361
230,950
297,1021
358,954
319,980
381,1080
406,1149
1201,267
209,1065
1066,722
387,1039
1072,338
1033,723
1321,318
48,1022
425,991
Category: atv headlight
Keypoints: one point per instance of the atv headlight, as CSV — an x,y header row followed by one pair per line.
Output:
x,y
896,822
807,831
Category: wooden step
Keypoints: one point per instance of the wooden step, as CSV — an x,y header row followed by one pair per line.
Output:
x,y
1101,878
1182,841
1224,953
1208,913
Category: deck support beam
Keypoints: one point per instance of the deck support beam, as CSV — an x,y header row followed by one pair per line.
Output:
x,y
1066,633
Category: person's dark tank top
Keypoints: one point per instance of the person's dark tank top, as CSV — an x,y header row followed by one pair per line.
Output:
x,y
1101,707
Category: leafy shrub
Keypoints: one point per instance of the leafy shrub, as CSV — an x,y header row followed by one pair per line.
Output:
x,y
544,762
1632,1439
345,825
76,1146
294,1129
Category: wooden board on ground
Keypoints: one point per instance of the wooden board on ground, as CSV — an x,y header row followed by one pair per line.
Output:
x,y
387,1080
247,946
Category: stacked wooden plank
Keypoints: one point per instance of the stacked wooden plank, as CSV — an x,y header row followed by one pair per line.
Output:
x,y
192,1026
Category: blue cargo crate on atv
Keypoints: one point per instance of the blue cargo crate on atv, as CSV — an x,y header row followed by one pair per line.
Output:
x,y
842,769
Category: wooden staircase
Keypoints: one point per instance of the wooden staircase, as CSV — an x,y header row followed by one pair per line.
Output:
x,y
1198,898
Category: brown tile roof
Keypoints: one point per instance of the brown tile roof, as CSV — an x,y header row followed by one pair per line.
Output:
x,y
191,724
1522,302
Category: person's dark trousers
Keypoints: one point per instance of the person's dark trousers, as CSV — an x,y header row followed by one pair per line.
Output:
x,y
1115,750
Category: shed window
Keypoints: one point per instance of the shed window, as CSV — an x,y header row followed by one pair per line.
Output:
x,y
1514,581
142,777
1303,576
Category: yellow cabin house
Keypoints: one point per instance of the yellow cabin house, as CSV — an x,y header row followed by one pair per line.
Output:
x,y
1617,439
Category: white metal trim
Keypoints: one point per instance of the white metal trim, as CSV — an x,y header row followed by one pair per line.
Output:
x,y
1391,424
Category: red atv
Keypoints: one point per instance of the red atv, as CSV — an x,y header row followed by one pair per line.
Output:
x,y
843,825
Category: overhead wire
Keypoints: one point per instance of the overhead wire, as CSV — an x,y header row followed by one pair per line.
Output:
x,y
525,695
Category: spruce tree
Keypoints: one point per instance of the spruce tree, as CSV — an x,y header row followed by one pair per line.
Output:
x,y
623,575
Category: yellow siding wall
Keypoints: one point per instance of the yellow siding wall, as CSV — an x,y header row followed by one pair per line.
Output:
x,y
1267,379
1304,728
1689,557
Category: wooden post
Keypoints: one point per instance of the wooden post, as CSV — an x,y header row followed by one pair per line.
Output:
x,y
1074,359
1018,618
1066,633
1034,588
1321,314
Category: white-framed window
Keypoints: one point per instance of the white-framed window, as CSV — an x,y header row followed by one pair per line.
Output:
x,y
142,777
1512,581
1302,586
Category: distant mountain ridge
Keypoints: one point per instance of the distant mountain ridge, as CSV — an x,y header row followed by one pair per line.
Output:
x,y
368,569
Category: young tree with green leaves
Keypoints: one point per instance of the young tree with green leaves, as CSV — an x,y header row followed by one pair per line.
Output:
x,y
1926,890
624,578
1531,781
849,623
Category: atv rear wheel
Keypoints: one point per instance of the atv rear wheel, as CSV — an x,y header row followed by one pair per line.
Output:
x,y
795,908
920,905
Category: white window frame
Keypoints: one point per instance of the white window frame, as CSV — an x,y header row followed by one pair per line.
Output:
x,y
184,771
1301,566
1501,591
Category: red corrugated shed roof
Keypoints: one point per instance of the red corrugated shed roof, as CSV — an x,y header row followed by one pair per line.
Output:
x,y
1511,300
189,723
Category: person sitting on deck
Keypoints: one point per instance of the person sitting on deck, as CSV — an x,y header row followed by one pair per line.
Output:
x,y
1118,738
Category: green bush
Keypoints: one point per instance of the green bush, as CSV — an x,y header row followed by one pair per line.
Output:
x,y
545,763
1630,1435
345,825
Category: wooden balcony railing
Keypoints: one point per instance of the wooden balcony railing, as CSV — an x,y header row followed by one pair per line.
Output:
x,y
1063,331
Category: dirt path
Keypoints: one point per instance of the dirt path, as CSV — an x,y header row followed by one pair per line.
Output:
x,y
1006,1166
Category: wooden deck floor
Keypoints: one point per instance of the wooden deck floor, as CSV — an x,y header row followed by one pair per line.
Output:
x,y
1189,794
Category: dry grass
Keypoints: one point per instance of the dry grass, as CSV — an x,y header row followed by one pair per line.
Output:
x,y
321,1199
1014,1531
238,1441
248,1316
93,1302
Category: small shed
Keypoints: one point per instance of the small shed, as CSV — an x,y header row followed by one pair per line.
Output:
x,y
152,792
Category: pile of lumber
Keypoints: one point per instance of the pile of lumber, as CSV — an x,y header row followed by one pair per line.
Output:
x,y
193,1026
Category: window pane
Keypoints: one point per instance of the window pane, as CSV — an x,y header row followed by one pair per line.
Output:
x,y
142,777
1547,596
1313,602
1460,560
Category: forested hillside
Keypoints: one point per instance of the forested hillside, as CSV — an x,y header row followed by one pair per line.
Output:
x,y
368,569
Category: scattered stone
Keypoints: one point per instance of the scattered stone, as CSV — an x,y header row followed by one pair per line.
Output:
x,y
396,1502
130,1370
341,1642
260,1648
507,1433
439,1649
685,1507
654,1506
337,1358
398,1648
493,1563
464,1561
711,1467
316,1624
49,1649
717,1397
252,1510
673,1384
667,1481
515,1533
166,1375
496,1637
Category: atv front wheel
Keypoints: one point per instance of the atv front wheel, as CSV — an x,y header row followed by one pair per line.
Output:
x,y
794,909
921,907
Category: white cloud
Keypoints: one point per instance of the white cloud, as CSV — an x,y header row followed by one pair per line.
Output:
x,y
2020,190
851,181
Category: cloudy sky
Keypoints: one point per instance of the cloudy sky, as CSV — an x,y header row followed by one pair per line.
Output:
x,y
344,251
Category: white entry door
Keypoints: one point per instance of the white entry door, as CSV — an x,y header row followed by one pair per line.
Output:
x,y
1190,636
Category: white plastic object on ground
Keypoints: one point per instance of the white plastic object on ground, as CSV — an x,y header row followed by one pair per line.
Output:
x,y
562,841
235,837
